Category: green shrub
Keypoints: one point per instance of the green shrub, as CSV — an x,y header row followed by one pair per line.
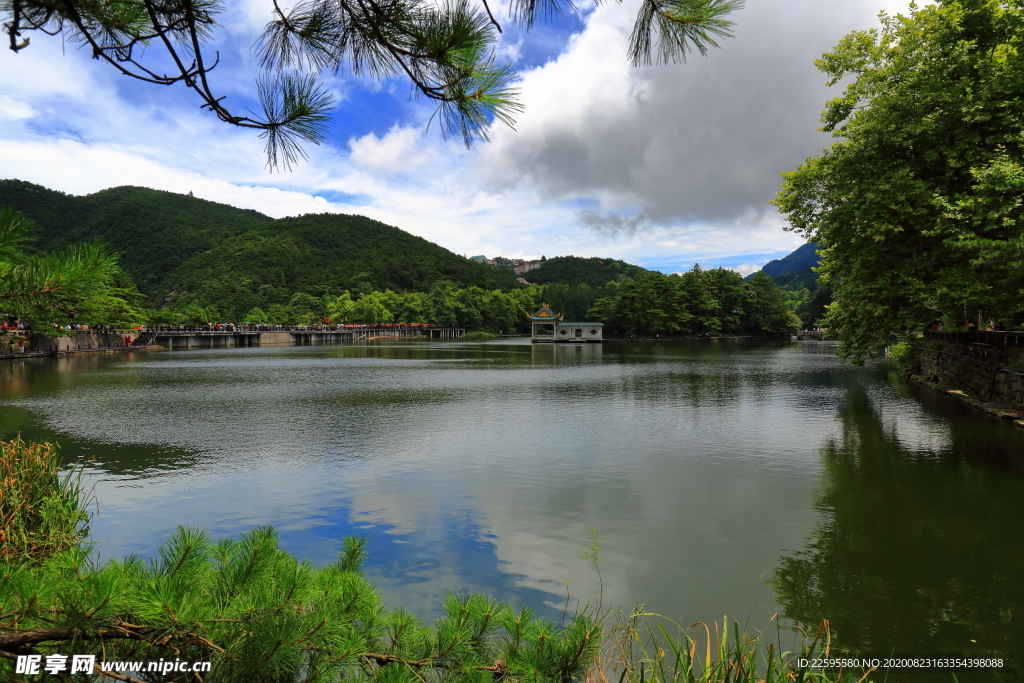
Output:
x,y
903,353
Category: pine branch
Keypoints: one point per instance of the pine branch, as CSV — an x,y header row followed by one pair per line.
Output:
x,y
444,50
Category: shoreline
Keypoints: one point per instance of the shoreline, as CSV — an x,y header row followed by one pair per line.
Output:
x,y
994,409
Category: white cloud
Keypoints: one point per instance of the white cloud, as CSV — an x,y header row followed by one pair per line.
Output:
x,y
746,269
14,110
702,142
401,150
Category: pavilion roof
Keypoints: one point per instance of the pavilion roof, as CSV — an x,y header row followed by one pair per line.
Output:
x,y
545,314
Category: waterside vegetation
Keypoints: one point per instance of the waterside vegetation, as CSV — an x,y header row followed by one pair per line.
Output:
x,y
257,613
41,511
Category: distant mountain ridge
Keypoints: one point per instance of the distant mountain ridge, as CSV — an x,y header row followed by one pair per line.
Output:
x,y
804,257
178,248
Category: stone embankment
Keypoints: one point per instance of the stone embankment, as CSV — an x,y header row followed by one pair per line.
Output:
x,y
982,369
20,345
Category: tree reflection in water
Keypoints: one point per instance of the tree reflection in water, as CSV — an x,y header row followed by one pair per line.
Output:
x,y
918,551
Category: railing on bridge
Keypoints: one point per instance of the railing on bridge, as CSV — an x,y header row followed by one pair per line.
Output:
x,y
230,328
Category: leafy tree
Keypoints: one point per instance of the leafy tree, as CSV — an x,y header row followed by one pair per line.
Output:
x,y
442,307
726,288
341,309
116,301
698,302
703,305
444,49
412,308
196,314
257,316
812,311
280,314
467,303
917,209
371,309
306,308
766,309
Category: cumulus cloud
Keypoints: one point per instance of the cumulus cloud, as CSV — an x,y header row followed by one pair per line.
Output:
x,y
702,142
400,150
14,110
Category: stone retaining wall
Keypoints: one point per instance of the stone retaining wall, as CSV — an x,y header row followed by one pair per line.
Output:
x,y
984,372
76,342
38,345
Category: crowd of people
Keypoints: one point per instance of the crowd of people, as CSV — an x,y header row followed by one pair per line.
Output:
x,y
278,327
969,326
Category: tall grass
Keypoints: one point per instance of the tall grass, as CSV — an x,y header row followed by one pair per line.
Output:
x,y
41,507
649,652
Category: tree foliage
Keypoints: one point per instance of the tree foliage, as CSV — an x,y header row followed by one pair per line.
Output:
x,y
575,270
445,50
917,208
700,302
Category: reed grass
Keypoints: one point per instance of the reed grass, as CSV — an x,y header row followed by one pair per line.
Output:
x,y
648,652
42,508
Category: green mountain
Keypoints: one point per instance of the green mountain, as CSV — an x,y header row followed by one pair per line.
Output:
x,y
803,258
575,270
181,249
793,272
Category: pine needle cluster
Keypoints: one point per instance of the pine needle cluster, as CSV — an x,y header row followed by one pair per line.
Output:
x,y
52,288
258,614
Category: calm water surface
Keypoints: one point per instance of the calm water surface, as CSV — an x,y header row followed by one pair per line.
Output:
x,y
723,479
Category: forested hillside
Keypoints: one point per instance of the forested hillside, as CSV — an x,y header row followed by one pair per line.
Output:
x,y
182,250
575,270
198,261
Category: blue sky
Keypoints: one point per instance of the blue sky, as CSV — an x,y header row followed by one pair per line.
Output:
x,y
663,166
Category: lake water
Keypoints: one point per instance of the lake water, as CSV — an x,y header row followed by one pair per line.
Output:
x,y
723,479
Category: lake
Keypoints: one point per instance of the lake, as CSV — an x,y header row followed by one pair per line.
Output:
x,y
723,479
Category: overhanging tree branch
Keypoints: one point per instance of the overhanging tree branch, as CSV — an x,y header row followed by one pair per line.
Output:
x,y
445,50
